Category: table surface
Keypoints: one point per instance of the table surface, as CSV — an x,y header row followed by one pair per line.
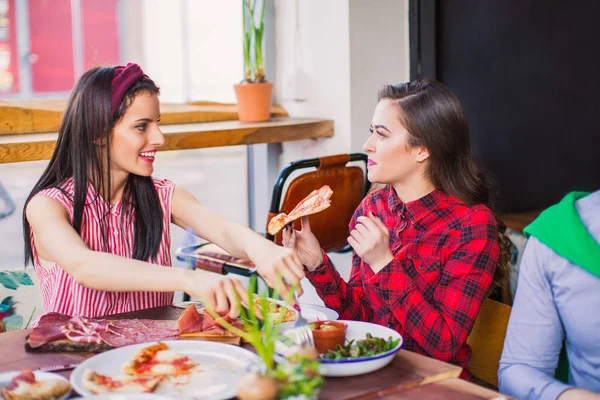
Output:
x,y
409,375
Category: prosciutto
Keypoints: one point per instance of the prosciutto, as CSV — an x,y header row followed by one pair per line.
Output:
x,y
131,331
215,327
48,329
190,320
118,333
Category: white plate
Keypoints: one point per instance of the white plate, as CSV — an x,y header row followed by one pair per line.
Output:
x,y
126,396
6,377
220,368
358,330
311,312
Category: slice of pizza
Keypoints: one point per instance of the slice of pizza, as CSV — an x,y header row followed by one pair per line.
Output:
x,y
98,383
274,308
25,387
158,360
317,201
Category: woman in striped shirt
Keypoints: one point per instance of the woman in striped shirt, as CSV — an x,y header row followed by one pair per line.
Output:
x,y
97,224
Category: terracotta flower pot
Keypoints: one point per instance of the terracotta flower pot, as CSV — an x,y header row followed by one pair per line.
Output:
x,y
254,101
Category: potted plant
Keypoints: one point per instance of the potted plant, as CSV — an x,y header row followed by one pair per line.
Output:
x,y
298,378
254,94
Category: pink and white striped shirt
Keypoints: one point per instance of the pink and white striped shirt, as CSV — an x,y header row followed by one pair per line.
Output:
x,y
60,292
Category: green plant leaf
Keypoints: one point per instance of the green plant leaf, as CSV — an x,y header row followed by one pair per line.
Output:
x,y
21,278
7,281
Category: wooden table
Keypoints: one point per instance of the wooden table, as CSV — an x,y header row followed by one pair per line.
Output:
x,y
409,374
448,389
39,146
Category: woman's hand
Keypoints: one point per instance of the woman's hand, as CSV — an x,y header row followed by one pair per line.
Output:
x,y
279,267
304,243
370,239
223,295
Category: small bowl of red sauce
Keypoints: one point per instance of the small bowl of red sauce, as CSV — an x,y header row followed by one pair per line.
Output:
x,y
328,335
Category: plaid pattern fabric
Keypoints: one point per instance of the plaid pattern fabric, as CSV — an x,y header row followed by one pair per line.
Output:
x,y
445,255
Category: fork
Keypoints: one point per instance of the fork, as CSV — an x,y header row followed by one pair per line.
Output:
x,y
300,320
294,338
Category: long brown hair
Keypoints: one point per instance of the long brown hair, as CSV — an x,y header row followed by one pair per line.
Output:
x,y
88,119
434,119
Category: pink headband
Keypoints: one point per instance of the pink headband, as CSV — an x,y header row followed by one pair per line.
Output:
x,y
123,78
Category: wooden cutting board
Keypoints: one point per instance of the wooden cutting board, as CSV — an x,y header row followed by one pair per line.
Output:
x,y
66,345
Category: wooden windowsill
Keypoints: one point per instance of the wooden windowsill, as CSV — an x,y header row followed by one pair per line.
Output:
x,y
39,146
38,116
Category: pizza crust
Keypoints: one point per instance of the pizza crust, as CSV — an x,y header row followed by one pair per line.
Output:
x,y
317,201
92,381
288,316
158,360
42,390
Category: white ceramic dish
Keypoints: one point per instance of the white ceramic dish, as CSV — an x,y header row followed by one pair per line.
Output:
x,y
126,396
358,330
310,312
220,366
6,377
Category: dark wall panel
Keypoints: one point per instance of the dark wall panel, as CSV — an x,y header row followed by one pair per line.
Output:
x,y
528,75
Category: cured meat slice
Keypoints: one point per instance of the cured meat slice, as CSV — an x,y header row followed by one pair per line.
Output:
x,y
52,319
190,320
48,329
84,329
316,201
214,327
132,331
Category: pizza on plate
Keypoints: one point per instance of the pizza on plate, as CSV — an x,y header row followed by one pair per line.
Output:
x,y
158,360
24,386
317,201
274,308
98,383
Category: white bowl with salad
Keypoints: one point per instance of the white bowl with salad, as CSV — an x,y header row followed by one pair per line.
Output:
x,y
368,348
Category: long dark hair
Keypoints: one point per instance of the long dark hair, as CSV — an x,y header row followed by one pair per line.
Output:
x,y
434,119
88,122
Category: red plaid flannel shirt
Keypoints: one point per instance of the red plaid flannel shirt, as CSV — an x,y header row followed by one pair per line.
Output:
x,y
445,255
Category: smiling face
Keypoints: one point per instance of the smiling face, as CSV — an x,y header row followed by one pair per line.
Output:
x,y
135,138
391,159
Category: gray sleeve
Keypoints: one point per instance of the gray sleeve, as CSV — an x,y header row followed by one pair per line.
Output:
x,y
535,332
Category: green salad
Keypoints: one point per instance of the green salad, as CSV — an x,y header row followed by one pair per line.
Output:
x,y
361,348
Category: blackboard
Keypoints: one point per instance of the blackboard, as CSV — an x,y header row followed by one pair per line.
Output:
x,y
528,76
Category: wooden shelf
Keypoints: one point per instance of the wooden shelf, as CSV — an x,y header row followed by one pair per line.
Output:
x,y
33,147
518,221
38,116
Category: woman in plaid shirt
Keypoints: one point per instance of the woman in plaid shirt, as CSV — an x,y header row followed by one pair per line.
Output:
x,y
426,246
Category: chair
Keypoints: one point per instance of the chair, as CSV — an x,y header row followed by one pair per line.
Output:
x,y
349,184
487,340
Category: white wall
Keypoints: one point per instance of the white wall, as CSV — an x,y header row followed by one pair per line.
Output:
x,y
191,48
378,55
162,35
215,51
312,50
331,61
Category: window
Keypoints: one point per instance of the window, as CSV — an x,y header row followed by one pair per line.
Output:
x,y
192,49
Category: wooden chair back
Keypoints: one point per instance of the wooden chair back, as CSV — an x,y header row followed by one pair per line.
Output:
x,y
487,340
